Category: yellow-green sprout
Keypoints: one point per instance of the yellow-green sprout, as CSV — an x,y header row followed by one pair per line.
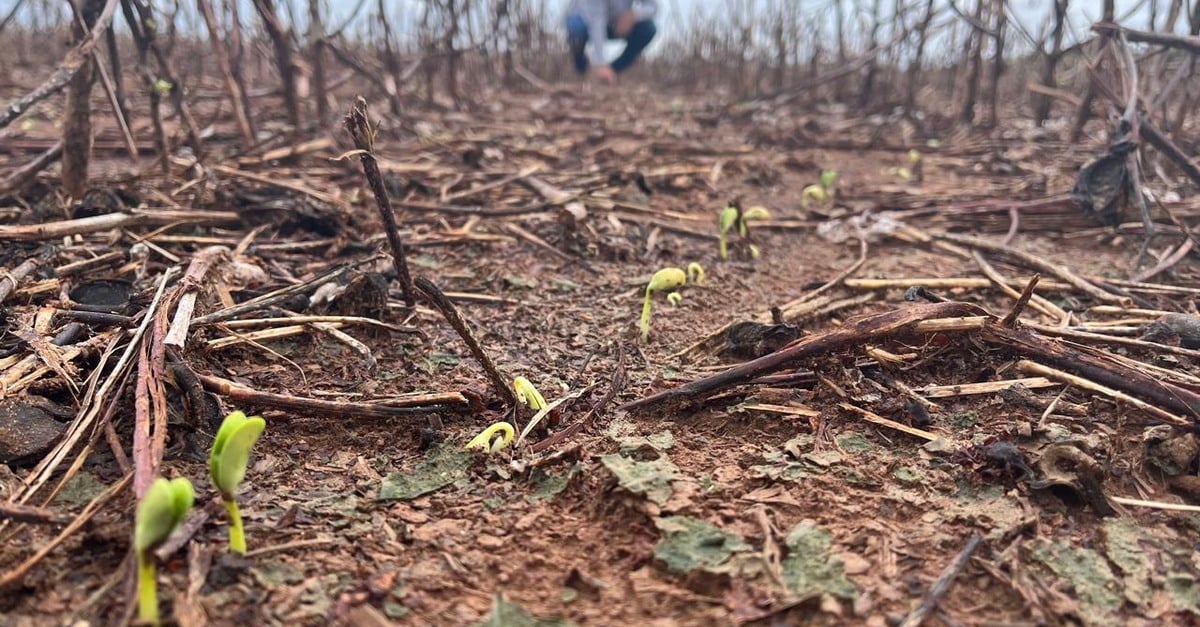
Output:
x,y
908,174
487,440
916,159
811,194
819,193
828,178
729,216
162,509
227,465
665,280
695,273
750,215
528,394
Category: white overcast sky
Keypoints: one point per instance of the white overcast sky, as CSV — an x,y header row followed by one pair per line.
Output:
x,y
676,15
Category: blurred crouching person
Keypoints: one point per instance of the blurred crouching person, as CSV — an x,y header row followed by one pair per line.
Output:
x,y
591,23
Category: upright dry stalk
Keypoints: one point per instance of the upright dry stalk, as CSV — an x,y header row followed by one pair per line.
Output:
x,y
237,56
1085,107
316,34
450,15
1042,102
975,39
284,61
781,49
503,26
868,84
241,113
744,29
139,15
114,59
391,62
1187,100
363,134
840,15
77,114
814,61
997,60
914,68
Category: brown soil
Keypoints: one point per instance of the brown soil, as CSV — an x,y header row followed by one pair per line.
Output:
x,y
325,549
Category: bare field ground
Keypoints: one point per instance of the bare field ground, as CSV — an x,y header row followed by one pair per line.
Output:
x,y
833,487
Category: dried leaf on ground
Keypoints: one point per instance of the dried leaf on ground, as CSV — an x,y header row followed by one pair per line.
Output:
x,y
691,543
810,568
651,479
442,467
506,614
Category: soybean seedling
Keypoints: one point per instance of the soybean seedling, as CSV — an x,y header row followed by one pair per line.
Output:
x,y
821,193
665,280
528,394
227,465
162,509
729,217
913,172
916,162
750,215
487,440
733,216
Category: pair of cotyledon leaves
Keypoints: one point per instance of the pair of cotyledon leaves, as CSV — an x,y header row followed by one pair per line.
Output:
x,y
166,502
163,507
231,451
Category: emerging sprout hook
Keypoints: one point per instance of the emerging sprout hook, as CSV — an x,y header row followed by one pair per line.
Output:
x,y
528,394
665,280
484,439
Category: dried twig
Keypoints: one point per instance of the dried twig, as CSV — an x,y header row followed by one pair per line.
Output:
x,y
855,331
10,280
619,379
1189,43
1036,263
407,405
1010,319
150,401
1030,367
1084,363
940,587
875,418
109,221
31,514
186,292
271,298
21,176
435,297
360,129
71,64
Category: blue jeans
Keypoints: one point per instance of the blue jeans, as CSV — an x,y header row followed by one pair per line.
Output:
x,y
639,37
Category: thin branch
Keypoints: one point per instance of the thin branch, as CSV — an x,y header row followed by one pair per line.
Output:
x,y
1188,43
66,70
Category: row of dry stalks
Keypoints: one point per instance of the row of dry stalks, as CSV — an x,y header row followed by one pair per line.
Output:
x,y
937,63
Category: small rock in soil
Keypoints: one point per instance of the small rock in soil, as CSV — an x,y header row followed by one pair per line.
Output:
x,y
29,426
